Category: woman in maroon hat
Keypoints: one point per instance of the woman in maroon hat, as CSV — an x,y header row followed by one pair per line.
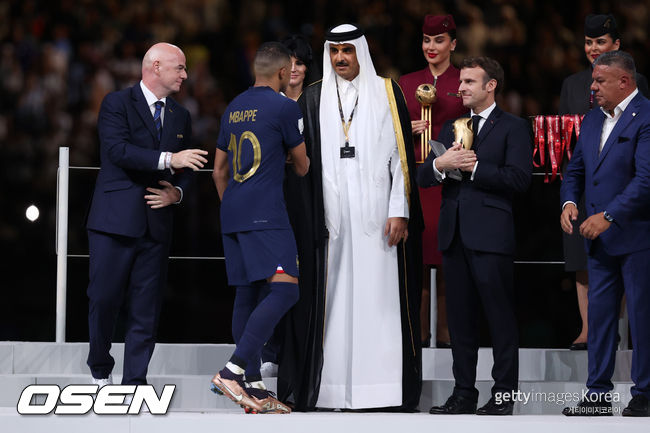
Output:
x,y
438,41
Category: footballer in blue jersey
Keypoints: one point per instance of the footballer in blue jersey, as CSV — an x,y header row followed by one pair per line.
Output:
x,y
257,130
260,132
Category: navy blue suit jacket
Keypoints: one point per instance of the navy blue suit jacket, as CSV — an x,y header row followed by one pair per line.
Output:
x,y
129,152
617,180
481,209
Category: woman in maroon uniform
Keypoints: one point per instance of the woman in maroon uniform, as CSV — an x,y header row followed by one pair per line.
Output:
x,y
438,41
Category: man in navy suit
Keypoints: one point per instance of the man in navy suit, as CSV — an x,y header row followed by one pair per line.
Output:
x,y
611,165
144,136
476,235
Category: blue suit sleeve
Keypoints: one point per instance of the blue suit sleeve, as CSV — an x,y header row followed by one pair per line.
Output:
x,y
183,178
635,198
115,137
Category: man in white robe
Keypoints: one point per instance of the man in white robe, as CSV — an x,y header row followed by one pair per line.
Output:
x,y
366,215
352,340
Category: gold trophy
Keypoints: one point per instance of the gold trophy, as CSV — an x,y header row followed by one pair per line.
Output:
x,y
463,132
426,96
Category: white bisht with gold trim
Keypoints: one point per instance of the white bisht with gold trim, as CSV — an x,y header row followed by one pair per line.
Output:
x,y
362,346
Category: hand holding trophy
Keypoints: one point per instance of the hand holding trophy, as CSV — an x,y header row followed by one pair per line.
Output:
x,y
426,96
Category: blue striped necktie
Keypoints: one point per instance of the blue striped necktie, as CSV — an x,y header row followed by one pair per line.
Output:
x,y
156,118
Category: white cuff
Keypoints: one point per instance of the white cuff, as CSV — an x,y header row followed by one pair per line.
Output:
x,y
474,170
181,191
440,176
161,160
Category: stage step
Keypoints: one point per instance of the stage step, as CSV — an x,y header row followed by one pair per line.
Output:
x,y
70,358
205,359
546,375
534,365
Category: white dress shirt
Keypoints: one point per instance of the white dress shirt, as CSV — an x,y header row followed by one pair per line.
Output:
x,y
610,121
151,101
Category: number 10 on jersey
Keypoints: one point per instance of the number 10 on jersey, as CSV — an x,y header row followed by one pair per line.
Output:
x,y
236,148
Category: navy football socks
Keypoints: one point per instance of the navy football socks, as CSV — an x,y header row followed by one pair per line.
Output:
x,y
261,321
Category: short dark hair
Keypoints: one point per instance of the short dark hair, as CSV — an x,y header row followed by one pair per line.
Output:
x,y
271,57
619,59
492,68
299,48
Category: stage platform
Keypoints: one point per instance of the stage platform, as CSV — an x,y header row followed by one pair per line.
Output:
x,y
545,375
235,421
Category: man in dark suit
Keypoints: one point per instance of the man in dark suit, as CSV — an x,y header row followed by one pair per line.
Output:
x,y
144,136
476,235
611,165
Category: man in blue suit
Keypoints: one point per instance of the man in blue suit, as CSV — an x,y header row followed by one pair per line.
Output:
x,y
611,165
144,137
476,235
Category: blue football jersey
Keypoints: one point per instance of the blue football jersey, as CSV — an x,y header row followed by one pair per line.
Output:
x,y
257,129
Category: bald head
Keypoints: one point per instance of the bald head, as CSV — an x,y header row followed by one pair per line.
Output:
x,y
163,69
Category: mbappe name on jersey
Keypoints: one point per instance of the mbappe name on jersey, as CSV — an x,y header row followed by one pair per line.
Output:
x,y
242,116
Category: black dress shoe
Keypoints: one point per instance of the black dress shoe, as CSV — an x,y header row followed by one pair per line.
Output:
x,y
589,408
578,346
442,345
494,408
638,406
455,405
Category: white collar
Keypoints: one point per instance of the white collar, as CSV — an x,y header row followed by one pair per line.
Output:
x,y
149,96
344,85
485,113
622,105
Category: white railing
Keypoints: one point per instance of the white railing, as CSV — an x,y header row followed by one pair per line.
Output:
x,y
62,188
63,177
62,182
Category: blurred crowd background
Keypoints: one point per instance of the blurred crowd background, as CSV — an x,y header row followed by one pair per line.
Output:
x,y
59,58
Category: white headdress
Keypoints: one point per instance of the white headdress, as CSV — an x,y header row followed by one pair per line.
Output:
x,y
372,150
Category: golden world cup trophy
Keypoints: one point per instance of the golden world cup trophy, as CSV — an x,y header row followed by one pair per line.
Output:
x,y
463,132
426,96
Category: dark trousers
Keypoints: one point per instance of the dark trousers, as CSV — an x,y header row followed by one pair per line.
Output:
x,y
609,277
132,270
473,278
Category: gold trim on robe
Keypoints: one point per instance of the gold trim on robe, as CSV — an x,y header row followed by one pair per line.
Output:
x,y
401,146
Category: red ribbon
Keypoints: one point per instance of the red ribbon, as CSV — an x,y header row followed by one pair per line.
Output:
x,y
577,121
555,146
558,136
567,133
539,141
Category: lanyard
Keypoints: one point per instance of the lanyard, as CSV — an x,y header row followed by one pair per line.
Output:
x,y
346,125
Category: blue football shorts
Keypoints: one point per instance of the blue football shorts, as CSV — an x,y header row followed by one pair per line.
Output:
x,y
258,254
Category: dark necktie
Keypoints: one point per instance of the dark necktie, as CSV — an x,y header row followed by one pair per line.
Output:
x,y
475,121
156,118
